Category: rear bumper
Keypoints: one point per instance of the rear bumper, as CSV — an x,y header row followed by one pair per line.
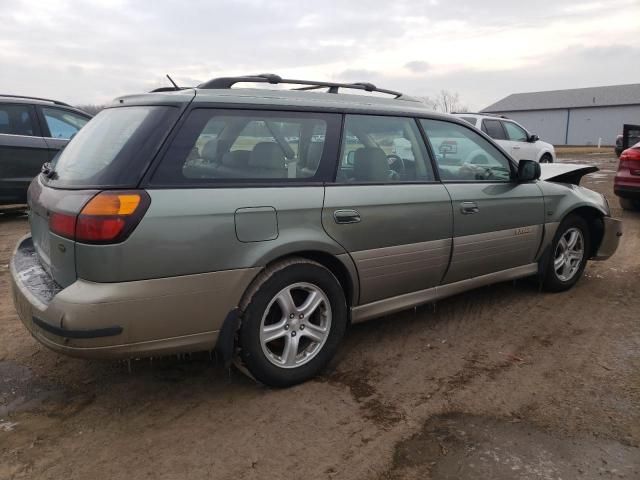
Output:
x,y
610,239
627,191
626,184
123,320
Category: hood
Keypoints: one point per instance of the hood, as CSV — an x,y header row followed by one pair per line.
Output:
x,y
565,172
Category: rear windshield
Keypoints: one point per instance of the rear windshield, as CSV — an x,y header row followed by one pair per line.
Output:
x,y
114,148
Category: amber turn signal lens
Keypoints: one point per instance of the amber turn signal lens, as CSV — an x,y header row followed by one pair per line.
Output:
x,y
107,203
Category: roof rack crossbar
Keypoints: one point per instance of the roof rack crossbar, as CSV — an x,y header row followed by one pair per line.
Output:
x,y
228,82
26,97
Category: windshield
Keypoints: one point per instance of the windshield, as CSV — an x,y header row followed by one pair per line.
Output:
x,y
113,149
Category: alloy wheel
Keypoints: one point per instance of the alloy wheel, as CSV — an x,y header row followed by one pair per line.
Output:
x,y
295,325
569,254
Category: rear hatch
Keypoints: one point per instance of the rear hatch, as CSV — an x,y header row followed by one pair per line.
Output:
x,y
111,153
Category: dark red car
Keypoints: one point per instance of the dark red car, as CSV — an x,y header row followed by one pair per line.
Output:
x,y
627,182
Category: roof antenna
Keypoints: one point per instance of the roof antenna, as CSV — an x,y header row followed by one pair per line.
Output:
x,y
174,83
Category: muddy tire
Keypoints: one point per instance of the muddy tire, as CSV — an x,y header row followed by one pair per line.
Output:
x,y
569,254
546,158
293,320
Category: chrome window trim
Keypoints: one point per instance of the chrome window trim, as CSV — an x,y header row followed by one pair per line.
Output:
x,y
33,136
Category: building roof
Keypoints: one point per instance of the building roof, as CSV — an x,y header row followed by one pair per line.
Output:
x,y
574,98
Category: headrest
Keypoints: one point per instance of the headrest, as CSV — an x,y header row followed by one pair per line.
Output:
x,y
370,165
210,150
267,155
237,158
314,154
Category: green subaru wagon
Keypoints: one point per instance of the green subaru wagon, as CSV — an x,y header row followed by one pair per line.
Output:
x,y
261,223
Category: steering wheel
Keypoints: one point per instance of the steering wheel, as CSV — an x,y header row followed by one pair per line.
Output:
x,y
395,161
394,176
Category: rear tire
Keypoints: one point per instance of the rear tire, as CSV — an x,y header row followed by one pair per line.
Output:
x,y
294,320
546,158
629,204
569,254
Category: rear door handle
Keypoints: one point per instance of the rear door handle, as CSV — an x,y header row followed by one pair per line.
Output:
x,y
346,216
516,147
467,208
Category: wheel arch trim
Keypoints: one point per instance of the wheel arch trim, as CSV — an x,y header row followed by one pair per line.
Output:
x,y
594,217
341,266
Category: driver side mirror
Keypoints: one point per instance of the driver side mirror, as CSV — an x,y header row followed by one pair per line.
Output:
x,y
528,171
533,138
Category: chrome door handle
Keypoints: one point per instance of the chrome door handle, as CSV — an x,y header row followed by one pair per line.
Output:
x,y
515,147
467,208
346,216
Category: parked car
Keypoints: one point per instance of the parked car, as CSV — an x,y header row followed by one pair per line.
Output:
x,y
512,136
267,250
626,184
32,132
633,139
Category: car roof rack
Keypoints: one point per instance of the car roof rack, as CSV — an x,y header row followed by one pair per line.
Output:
x,y
497,115
25,97
228,82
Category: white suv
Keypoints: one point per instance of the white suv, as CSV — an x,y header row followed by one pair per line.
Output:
x,y
511,136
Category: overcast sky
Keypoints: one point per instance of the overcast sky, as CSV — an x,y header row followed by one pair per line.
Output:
x,y
94,50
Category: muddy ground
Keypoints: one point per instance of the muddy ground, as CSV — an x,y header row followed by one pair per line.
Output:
x,y
503,382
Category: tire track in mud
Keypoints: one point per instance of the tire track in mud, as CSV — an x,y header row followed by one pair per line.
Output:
x,y
360,383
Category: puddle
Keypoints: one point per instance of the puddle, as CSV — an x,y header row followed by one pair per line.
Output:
x,y
464,447
21,390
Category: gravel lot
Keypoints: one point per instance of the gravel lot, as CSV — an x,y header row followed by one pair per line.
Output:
x,y
500,383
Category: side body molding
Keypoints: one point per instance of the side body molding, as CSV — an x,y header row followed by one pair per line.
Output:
x,y
409,300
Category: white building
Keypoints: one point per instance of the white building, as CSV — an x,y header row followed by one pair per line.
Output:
x,y
580,116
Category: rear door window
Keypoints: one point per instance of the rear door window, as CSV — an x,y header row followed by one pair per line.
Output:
x,y
63,124
114,148
381,149
494,129
16,119
250,146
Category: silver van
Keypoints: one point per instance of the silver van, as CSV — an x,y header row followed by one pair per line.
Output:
x,y
262,222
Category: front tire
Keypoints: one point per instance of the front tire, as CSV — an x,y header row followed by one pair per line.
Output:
x,y
294,320
569,254
546,158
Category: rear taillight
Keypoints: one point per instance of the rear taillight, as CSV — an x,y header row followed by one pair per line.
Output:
x,y
63,224
630,160
109,217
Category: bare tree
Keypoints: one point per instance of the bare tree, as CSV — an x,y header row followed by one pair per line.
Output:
x,y
448,102
445,101
429,102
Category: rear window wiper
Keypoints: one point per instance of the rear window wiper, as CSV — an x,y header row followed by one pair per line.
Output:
x,y
48,171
